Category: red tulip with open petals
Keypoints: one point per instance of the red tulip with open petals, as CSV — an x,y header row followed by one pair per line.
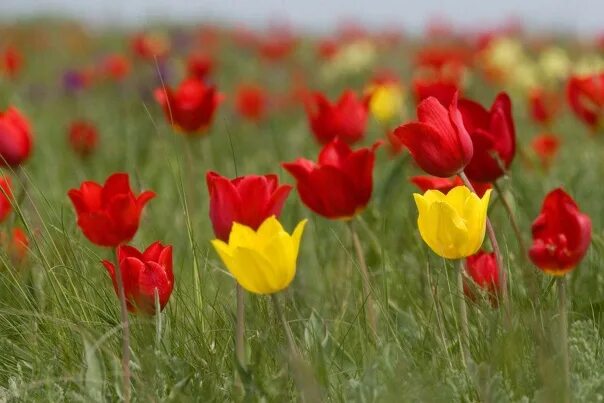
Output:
x,y
247,200
339,186
143,274
493,137
15,138
346,119
191,107
561,234
109,215
439,142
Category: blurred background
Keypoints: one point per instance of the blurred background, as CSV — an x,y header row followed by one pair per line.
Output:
x,y
580,16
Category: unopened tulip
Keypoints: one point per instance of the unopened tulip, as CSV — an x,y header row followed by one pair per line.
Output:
x,y
15,138
262,261
482,268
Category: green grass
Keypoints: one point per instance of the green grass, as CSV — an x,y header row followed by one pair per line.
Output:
x,y
59,316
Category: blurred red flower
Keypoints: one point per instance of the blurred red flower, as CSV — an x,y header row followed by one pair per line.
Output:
x,y
6,195
199,65
109,215
15,138
11,62
142,275
83,137
251,102
442,89
546,147
585,96
484,271
116,66
543,105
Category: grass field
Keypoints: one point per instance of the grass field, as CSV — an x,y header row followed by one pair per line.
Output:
x,y
60,332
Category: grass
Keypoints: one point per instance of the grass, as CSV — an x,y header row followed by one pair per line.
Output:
x,y
59,316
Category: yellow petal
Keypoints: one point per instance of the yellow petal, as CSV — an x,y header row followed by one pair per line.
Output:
x,y
297,236
443,230
241,235
456,198
252,271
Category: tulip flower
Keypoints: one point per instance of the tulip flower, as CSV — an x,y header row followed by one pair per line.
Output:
x,y
144,274
16,244
586,98
339,186
543,105
251,102
109,215
346,119
453,225
482,268
191,107
83,137
116,67
5,197
561,234
444,185
493,137
150,46
262,261
386,102
439,143
546,147
11,62
199,65
15,138
441,89
248,200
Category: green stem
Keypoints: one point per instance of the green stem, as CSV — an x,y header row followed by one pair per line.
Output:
x,y
125,330
463,316
563,312
291,342
240,327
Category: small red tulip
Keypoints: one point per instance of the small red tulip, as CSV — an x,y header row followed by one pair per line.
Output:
x,y
116,67
247,200
345,119
543,105
546,147
561,234
199,65
586,98
439,143
493,137
143,274
109,215
443,90
6,195
425,183
11,62
83,137
17,245
15,138
484,271
339,186
150,46
191,107
251,101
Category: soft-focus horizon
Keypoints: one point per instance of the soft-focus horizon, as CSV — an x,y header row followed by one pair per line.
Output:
x,y
579,17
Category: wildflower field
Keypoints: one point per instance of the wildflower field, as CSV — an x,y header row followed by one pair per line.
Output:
x,y
214,213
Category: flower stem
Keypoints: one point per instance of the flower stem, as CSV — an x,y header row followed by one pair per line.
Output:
x,y
463,316
367,295
125,331
495,245
291,342
158,324
240,327
563,312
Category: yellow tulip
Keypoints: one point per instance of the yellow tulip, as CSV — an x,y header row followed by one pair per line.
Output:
x,y
262,261
386,102
453,225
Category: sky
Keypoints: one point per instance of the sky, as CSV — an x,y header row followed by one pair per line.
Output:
x,y
576,16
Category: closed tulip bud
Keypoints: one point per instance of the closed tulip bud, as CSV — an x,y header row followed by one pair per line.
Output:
x,y
16,244
248,200
346,119
15,138
561,234
339,186
191,107
439,142
109,215
453,225
83,137
484,271
262,261
143,275
493,137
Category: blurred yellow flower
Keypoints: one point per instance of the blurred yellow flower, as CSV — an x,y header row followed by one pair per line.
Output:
x,y
263,261
554,63
386,102
504,53
588,65
453,225
352,59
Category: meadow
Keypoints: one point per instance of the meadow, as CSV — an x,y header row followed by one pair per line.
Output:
x,y
60,328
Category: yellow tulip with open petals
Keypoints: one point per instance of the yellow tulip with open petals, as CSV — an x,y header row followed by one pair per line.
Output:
x,y
453,225
262,261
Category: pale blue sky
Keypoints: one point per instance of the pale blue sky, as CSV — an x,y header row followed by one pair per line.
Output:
x,y
583,16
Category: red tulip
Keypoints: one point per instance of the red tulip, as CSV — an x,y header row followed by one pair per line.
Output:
x,y
143,274
116,66
561,234
109,215
543,105
11,62
17,245
327,49
425,183
83,137
441,89
15,138
339,186
493,137
546,147
439,142
345,119
199,65
150,46
247,200
483,270
586,98
191,107
251,102
6,195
